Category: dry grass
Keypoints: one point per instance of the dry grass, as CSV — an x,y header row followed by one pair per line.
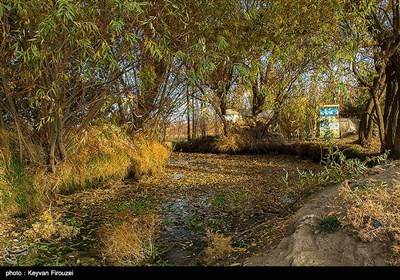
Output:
x,y
104,154
374,211
148,157
252,140
132,242
233,143
49,227
219,246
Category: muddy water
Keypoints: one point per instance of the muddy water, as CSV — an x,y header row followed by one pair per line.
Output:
x,y
183,244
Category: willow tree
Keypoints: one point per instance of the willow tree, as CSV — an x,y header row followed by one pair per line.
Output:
x,y
379,21
216,57
293,41
59,61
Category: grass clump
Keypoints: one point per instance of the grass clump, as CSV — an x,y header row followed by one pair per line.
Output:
x,y
18,197
219,246
132,242
235,201
337,168
50,227
328,224
374,213
104,154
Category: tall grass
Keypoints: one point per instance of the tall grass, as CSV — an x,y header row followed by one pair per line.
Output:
x,y
132,242
101,155
17,194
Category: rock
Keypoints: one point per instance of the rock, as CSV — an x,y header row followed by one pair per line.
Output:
x,y
305,247
178,176
348,126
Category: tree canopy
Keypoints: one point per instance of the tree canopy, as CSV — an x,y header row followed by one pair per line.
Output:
x,y
66,64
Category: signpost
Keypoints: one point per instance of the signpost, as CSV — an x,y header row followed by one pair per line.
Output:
x,y
329,121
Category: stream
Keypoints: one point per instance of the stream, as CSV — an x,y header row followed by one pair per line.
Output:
x,y
228,195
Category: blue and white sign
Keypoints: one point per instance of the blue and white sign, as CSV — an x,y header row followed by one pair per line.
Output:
x,y
329,112
329,121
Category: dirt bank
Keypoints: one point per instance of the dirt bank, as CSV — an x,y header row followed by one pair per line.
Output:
x,y
306,246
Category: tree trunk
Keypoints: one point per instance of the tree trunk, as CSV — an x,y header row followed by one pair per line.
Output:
x,y
52,151
202,121
381,125
2,122
188,113
216,127
194,128
60,138
258,100
23,146
227,126
366,124
392,109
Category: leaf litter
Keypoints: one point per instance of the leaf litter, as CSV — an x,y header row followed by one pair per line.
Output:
x,y
240,198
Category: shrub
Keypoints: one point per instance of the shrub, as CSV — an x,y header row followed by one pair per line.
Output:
x,y
218,247
328,224
49,227
132,242
337,168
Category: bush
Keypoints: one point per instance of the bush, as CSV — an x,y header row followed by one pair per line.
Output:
x,y
132,242
219,246
104,154
49,227
199,145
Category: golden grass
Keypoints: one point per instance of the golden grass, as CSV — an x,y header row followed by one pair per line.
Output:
x,y
219,246
49,227
132,242
101,155
246,140
374,211
104,154
233,143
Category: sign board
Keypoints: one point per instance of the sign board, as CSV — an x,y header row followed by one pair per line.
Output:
x,y
329,121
